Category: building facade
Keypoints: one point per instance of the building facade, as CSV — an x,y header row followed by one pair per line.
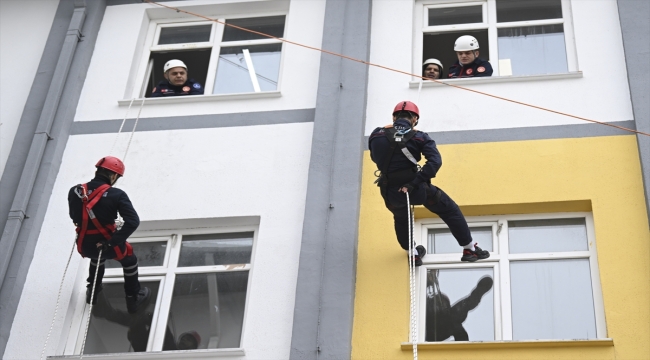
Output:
x,y
262,234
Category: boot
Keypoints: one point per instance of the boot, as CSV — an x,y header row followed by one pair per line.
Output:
x,y
134,303
89,290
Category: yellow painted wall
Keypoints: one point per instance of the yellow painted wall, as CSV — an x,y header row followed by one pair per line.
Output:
x,y
518,176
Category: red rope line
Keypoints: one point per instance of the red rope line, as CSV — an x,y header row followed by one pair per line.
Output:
x,y
396,70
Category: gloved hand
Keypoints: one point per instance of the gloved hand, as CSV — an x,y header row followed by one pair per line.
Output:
x,y
406,188
103,245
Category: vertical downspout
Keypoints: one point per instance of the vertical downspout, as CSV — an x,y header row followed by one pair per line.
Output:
x,y
23,193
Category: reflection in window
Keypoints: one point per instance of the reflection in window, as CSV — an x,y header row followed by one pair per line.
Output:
x,y
555,235
552,299
518,10
234,72
148,253
533,50
216,249
112,329
459,305
272,25
210,307
441,241
456,15
184,34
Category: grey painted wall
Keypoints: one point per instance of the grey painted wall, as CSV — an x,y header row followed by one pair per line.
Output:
x,y
635,26
324,307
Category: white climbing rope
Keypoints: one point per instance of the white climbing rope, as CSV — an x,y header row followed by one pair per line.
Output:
x,y
414,320
121,126
58,298
90,311
133,131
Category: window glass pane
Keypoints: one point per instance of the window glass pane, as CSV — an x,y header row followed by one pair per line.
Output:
x,y
112,329
460,305
517,10
552,299
232,70
148,253
441,241
184,34
530,236
456,15
207,310
272,25
534,49
216,249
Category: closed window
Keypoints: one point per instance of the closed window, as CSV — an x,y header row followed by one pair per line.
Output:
x,y
540,282
223,59
199,284
530,37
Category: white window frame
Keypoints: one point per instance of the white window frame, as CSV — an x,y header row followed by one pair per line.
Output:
x,y
499,261
166,276
490,23
153,34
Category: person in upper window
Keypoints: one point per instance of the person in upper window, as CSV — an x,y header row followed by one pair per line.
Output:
x,y
176,82
468,64
432,69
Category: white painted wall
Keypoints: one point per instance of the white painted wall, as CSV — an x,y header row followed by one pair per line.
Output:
x,y
602,94
24,28
113,60
185,174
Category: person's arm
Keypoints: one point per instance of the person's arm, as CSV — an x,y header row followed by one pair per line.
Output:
x,y
432,156
487,72
156,92
74,207
131,220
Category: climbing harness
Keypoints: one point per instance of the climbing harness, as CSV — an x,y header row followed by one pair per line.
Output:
x,y
412,250
397,139
90,311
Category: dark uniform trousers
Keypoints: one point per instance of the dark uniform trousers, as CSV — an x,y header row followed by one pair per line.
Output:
x,y
129,264
436,201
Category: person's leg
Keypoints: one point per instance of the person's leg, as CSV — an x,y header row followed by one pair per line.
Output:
x,y
130,269
94,263
441,204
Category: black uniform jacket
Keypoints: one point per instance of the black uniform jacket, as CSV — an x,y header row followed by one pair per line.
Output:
x,y
113,201
165,88
420,144
478,68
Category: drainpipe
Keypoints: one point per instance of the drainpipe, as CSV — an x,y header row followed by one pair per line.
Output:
x,y
18,210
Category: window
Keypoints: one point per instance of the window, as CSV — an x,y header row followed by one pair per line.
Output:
x,y
199,285
225,60
540,282
530,37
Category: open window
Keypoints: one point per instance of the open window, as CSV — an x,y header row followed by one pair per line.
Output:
x,y
199,284
224,59
530,37
540,282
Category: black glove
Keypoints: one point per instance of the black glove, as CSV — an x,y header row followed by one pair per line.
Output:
x,y
103,245
409,186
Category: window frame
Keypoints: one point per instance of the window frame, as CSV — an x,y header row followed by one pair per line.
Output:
x,y
499,261
166,275
491,25
144,69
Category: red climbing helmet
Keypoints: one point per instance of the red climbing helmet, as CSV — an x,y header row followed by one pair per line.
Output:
x,y
406,106
111,163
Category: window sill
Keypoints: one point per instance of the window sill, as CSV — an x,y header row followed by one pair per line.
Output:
x,y
157,355
497,79
507,344
200,98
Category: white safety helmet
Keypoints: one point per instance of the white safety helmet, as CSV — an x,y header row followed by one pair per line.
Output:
x,y
466,43
174,63
432,61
